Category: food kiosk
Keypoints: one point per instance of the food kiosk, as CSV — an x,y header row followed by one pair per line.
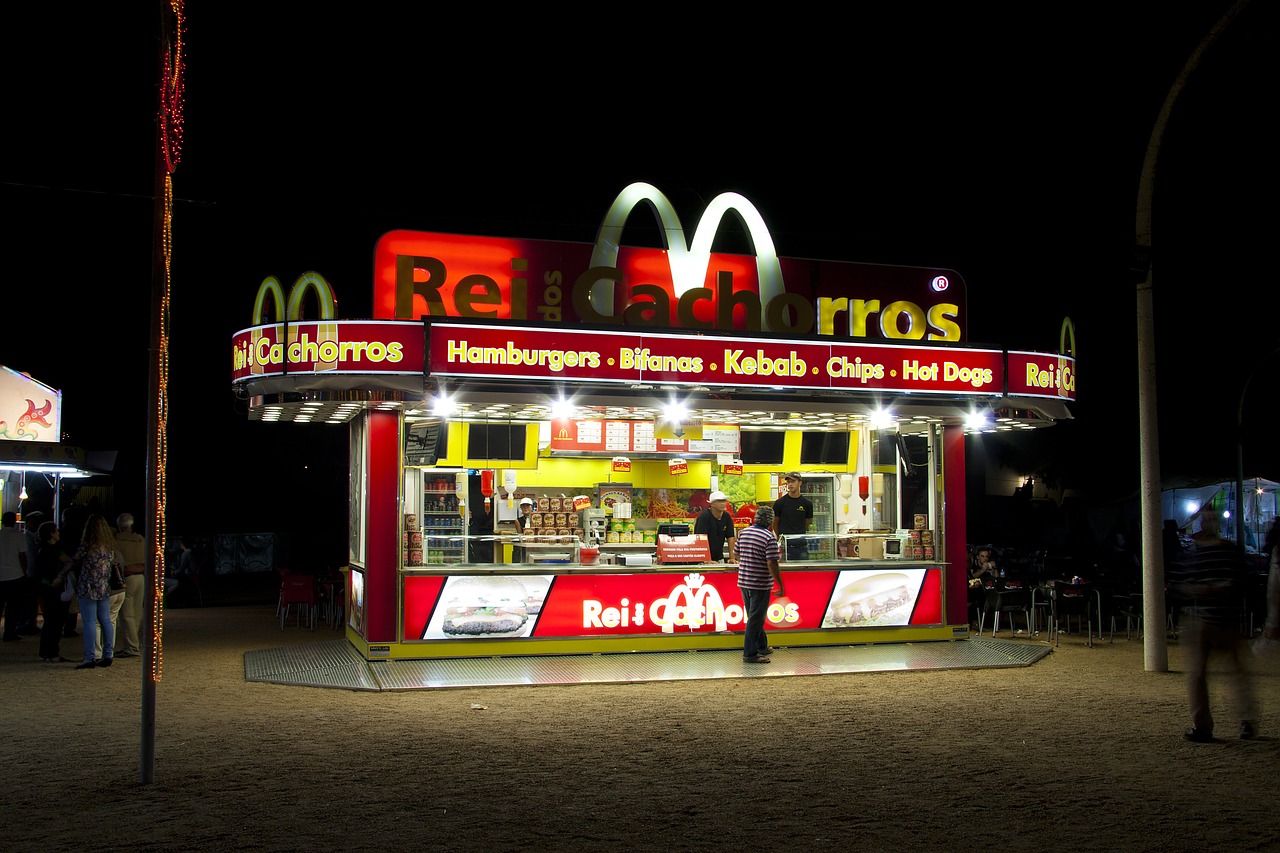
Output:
x,y
616,387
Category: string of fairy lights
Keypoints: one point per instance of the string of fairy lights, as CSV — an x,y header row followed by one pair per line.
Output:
x,y
171,104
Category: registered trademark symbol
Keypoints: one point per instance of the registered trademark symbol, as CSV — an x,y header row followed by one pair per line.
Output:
x,y
939,283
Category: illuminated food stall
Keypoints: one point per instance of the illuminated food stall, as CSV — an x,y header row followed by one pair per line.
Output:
x,y
535,426
30,429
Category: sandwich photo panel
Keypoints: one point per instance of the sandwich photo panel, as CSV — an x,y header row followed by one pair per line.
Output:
x,y
487,606
873,598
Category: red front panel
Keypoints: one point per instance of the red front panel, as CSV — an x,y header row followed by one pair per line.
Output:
x,y
587,605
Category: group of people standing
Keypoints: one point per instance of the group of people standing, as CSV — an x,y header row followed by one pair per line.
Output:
x,y
103,572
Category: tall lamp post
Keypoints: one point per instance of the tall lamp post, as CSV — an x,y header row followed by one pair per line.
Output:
x,y
1155,645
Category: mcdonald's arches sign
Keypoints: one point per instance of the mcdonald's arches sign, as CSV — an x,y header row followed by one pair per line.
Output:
x,y
682,286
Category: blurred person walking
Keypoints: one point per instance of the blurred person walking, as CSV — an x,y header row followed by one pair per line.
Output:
x,y
1211,580
133,559
1270,639
13,574
92,564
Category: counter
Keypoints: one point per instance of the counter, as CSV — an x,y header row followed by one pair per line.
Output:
x,y
485,610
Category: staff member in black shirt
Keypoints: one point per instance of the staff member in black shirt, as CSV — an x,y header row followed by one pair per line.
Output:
x,y
792,516
717,525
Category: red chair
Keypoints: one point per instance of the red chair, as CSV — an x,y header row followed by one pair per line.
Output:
x,y
298,590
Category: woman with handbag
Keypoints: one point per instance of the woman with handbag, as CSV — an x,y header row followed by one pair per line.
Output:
x,y
93,562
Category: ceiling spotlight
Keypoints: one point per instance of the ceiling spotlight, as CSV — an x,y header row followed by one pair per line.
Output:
x,y
442,405
675,412
561,408
882,419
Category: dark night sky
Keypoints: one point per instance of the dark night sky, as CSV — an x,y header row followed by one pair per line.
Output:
x,y
1007,148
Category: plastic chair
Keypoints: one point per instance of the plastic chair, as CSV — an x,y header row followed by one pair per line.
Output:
x,y
299,590
280,600
1011,600
1128,607
1079,600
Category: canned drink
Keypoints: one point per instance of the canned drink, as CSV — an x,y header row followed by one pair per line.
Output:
x,y
928,552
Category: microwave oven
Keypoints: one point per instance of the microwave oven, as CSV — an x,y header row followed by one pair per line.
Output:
x,y
895,547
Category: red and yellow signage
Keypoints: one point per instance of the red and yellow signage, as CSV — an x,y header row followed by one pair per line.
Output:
x,y
422,274
1038,374
332,346
702,600
524,352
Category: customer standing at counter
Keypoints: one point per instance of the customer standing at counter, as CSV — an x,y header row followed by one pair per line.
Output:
x,y
794,513
716,524
757,573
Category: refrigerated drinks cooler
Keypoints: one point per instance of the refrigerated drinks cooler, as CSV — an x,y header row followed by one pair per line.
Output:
x,y
821,491
435,518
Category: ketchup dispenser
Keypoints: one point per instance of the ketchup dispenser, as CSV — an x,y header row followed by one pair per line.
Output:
x,y
864,491
487,477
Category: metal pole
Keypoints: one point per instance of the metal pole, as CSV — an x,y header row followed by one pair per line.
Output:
x,y
1156,644
168,139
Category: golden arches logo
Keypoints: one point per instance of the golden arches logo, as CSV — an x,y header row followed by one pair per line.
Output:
x,y
271,293
1067,359
689,262
313,281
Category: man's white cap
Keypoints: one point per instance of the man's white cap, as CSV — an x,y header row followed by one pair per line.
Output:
x,y
719,496
528,501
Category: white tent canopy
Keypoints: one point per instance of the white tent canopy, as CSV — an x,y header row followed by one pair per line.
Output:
x,y
1183,500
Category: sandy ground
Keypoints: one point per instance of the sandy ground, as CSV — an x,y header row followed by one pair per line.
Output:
x,y
1079,751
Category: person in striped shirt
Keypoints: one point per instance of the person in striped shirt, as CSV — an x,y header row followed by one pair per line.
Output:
x,y
1211,580
757,573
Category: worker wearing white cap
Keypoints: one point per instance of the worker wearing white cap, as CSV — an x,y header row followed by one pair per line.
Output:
x,y
518,553
716,524
526,510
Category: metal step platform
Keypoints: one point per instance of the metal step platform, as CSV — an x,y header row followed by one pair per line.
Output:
x,y
335,663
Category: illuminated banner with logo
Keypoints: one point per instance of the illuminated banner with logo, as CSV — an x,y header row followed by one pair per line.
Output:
x,y
521,352
327,347
29,410
702,600
1038,374
683,286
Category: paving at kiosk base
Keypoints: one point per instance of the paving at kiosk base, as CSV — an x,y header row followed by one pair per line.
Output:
x,y
335,663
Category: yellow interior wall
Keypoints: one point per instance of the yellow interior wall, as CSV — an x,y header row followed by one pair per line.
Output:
x,y
587,473
536,469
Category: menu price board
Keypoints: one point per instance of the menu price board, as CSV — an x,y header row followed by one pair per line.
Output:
x,y
615,437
